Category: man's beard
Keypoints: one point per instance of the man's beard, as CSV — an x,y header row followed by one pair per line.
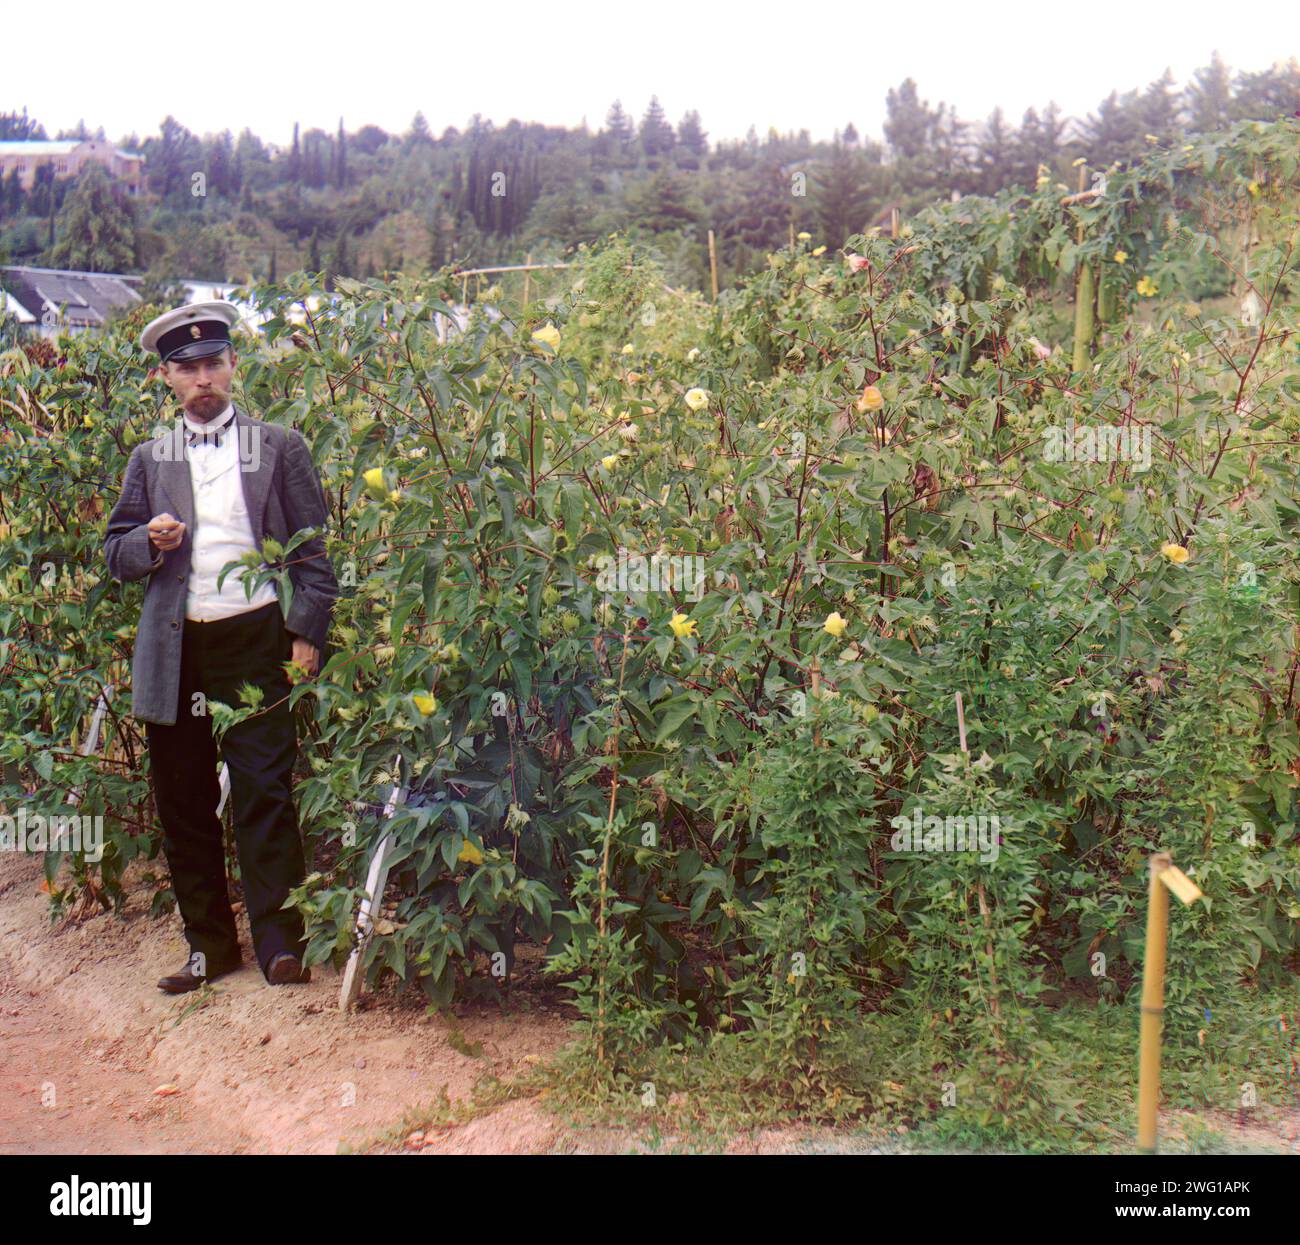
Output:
x,y
207,406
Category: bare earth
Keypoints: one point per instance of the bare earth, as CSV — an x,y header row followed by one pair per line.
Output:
x,y
87,1039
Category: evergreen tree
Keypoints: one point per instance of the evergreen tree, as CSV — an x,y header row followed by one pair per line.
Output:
x,y
1269,94
691,135
418,135
40,198
842,198
662,203
618,126
96,228
1038,141
908,121
1207,101
995,164
1157,109
1115,132
313,251
12,195
295,159
272,270
341,179
339,264
656,135
15,127
219,160
171,159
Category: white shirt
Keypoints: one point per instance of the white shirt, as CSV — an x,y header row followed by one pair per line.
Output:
x,y
223,530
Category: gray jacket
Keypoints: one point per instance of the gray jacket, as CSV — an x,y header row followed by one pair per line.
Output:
x,y
283,494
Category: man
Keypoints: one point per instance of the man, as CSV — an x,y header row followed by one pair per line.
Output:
x,y
193,500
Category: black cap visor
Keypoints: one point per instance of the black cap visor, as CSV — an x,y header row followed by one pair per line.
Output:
x,y
197,350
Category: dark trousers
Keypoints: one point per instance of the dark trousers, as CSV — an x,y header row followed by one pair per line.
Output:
x,y
216,659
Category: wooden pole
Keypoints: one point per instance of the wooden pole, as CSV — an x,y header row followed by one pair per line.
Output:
x,y
986,914
1083,299
1153,1002
893,222
713,265
528,260
816,671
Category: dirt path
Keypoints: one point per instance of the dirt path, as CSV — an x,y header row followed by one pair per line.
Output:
x,y
86,1038
256,1068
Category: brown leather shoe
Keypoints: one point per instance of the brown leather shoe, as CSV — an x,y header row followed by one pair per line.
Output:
x,y
285,969
191,977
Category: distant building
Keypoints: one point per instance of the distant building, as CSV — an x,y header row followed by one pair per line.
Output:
x,y
51,301
69,157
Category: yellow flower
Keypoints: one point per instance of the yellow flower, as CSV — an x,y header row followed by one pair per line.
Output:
x,y
374,479
871,400
1175,553
609,462
426,704
681,625
470,854
803,236
697,399
1121,257
834,625
548,335
1081,160
628,348
1151,138
1146,287
1254,189
821,250
395,495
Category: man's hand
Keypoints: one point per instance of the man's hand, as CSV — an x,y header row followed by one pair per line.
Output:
x,y
166,532
306,654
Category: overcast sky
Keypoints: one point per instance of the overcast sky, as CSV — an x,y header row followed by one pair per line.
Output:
x,y
793,66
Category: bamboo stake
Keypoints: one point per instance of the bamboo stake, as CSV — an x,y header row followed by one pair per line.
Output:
x,y
986,915
816,670
1164,877
713,265
528,262
604,857
1083,300
1153,1002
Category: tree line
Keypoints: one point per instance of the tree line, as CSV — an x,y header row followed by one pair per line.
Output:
x,y
365,202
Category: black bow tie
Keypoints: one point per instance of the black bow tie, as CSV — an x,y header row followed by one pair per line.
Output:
x,y
206,438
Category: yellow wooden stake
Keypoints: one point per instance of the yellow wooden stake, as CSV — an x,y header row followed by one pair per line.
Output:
x,y
1164,878
816,670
